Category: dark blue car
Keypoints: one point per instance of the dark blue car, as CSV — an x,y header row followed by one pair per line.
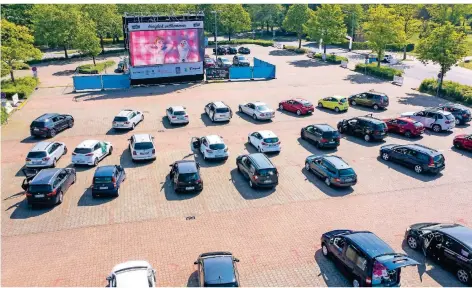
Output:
x,y
49,186
217,269
332,169
419,157
107,180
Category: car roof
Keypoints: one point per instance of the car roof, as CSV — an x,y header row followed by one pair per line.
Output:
x,y
267,134
376,92
41,146
262,161
369,243
130,264
301,100
87,143
125,112
406,119
142,138
338,162
218,269
422,148
214,139
104,171
45,176
454,105
178,108
436,110
258,103
324,127
220,104
459,232
46,116
371,119
132,274
337,96
187,166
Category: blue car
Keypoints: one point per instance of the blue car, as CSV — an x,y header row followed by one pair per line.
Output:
x,y
217,269
107,180
332,169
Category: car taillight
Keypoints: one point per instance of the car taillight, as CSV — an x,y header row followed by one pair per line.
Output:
x,y
127,122
46,159
153,151
209,150
198,181
255,177
28,194
186,116
337,179
264,144
448,122
465,115
89,154
262,114
278,143
53,193
44,129
368,280
226,149
113,180
431,162
324,140
73,153
28,159
134,153
173,117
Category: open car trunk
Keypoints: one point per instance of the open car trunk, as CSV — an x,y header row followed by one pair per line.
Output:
x,y
29,173
387,270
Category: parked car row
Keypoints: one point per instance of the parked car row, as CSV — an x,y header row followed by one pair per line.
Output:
x,y
224,50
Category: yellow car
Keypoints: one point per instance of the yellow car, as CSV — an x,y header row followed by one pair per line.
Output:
x,y
336,103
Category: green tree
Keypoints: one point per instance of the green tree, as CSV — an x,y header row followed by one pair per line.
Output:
x,y
209,22
18,14
234,19
409,19
265,15
382,27
327,23
297,16
17,45
86,40
353,15
104,16
444,46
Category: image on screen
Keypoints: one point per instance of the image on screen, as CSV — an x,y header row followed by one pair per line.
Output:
x,y
159,47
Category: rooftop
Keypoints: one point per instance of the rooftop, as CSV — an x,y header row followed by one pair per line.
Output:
x,y
187,166
370,243
41,146
337,162
44,176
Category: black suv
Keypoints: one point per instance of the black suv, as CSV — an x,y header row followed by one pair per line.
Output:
x,y
364,257
366,126
450,244
232,50
461,113
419,157
222,50
47,125
322,135
185,175
217,269
49,186
372,99
258,169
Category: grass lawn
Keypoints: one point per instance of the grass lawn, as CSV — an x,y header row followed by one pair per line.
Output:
x,y
62,51
466,65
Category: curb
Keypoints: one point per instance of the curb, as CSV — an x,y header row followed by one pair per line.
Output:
x,y
22,104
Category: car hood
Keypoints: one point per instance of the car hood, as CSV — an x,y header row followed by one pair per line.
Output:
x,y
408,113
387,147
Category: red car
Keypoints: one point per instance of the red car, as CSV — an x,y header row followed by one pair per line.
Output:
x,y
463,141
405,126
297,105
209,63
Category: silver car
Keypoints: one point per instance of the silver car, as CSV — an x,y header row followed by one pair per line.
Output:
x,y
45,154
257,110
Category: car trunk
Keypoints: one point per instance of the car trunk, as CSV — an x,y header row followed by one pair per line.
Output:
x,y
387,269
37,158
188,181
144,149
104,183
222,113
267,176
82,155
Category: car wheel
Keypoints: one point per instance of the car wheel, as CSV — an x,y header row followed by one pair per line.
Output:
x,y
320,105
418,169
412,242
408,134
324,250
71,123
458,122
95,163
65,151
355,283
204,157
307,166
336,109
117,192
463,276
240,109
134,126
259,149
61,198
457,145
341,130
327,181
281,107
299,112
367,137
385,156
142,117
254,117
436,128
52,133
54,163
353,103
110,151
317,144
376,107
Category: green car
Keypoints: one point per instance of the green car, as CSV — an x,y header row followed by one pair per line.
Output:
x,y
376,100
336,103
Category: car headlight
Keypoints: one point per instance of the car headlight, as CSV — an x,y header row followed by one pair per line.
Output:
x,y
408,229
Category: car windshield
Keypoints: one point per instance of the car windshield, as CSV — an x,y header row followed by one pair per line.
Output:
x,y
438,158
307,104
120,119
82,150
331,134
143,146
418,125
224,60
179,113
271,140
380,126
342,100
383,98
267,172
100,180
219,146
36,154
39,188
222,110
209,60
188,177
346,172
262,108
449,117
38,124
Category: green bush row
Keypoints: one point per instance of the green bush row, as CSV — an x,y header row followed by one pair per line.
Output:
x,y
4,115
20,66
383,72
108,41
75,56
95,69
296,49
331,58
24,86
265,43
365,46
449,89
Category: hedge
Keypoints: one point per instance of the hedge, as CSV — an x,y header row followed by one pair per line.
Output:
x,y
296,49
331,58
365,46
76,56
452,90
381,72
95,69
108,41
4,115
24,86
265,43
20,66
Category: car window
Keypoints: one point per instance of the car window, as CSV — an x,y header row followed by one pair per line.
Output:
x,y
262,108
82,150
310,129
188,177
57,181
369,96
271,140
339,243
346,172
244,160
449,117
222,110
354,257
120,119
251,168
267,172
422,157
331,134
96,147
36,154
39,188
411,153
102,179
205,142
219,146
401,122
429,115
143,146
179,113
439,116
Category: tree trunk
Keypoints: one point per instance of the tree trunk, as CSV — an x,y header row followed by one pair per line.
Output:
x,y
101,44
299,41
440,82
12,76
324,48
65,52
93,58
379,55
229,36
267,24
404,52
214,37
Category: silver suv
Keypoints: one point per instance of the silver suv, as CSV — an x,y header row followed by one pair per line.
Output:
x,y
127,119
45,154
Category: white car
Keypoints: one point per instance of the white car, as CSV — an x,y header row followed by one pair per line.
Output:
x,y
135,274
90,152
141,147
45,154
127,119
437,120
264,141
211,147
218,111
177,115
258,110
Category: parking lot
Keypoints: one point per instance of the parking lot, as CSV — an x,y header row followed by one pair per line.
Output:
x,y
275,233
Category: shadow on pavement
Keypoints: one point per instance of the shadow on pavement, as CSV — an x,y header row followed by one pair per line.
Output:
x,y
369,110
242,185
171,195
31,139
193,279
331,190
417,99
462,152
363,79
250,119
310,147
86,199
207,121
282,52
308,63
22,211
425,176
64,73
330,273
361,141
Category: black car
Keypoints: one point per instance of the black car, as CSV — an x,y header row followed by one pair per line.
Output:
x,y
49,186
185,175
217,269
368,127
222,50
47,125
419,157
449,244
371,98
322,135
461,113
107,180
244,50
332,169
258,169
364,257
232,50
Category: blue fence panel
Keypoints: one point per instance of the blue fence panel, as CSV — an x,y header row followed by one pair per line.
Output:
x,y
116,81
87,82
240,73
264,72
260,63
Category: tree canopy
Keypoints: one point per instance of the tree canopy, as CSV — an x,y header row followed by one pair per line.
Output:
x,y
297,16
234,19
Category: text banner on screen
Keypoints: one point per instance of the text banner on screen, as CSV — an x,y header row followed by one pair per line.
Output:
x,y
181,69
165,26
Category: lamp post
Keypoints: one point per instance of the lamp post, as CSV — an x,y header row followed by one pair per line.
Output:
x,y
216,35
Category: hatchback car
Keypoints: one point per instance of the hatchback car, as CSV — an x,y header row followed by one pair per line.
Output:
x,y
368,127
49,186
127,119
322,135
365,258
232,50
48,125
461,114
45,154
185,176
240,60
419,157
264,141
90,152
449,244
371,98
222,50
217,269
258,169
141,147
136,274
437,120
177,115
218,111
332,169
209,63
336,103
244,50
107,180
463,141
297,105
223,62
406,126
211,147
258,110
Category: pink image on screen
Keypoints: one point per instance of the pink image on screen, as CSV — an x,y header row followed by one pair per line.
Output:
x,y
164,47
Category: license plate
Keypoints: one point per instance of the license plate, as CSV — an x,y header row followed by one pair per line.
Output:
x,y
143,153
103,188
39,196
267,181
189,188
347,179
36,129
331,142
36,162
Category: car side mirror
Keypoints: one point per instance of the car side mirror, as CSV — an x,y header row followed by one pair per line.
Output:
x,y
331,241
171,165
129,139
236,260
195,263
109,278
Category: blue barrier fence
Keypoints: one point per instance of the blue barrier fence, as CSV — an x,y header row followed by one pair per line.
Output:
x,y
92,82
261,70
101,82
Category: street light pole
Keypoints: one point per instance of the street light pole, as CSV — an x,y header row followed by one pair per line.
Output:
x,y
216,36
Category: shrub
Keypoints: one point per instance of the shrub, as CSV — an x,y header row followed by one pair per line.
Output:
x,y
449,89
108,41
265,43
24,86
76,56
296,49
95,69
20,66
365,46
4,115
381,72
331,58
